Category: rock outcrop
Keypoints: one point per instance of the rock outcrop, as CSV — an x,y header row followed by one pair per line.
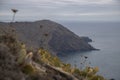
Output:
x,y
86,39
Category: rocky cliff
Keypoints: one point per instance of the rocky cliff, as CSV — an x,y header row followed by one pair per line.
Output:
x,y
48,34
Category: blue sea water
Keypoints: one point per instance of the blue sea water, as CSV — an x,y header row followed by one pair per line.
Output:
x,y
106,37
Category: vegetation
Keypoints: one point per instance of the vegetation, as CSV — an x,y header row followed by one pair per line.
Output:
x,y
28,69
88,73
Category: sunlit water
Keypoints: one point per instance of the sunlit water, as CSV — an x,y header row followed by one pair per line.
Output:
x,y
106,37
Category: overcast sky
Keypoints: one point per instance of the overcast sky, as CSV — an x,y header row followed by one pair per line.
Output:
x,y
61,10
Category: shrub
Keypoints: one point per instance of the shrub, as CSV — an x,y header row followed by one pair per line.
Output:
x,y
97,77
88,73
28,69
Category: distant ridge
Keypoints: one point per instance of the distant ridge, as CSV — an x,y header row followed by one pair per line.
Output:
x,y
58,40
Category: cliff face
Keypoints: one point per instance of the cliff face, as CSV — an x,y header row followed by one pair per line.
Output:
x,y
50,35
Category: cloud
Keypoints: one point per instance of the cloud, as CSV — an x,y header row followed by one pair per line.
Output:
x,y
77,2
89,14
62,9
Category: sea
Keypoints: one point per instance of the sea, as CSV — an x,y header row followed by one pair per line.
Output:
x,y
106,37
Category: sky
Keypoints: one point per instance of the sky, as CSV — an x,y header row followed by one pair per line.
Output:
x,y
61,10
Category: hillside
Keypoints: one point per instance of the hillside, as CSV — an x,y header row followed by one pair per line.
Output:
x,y
18,63
49,35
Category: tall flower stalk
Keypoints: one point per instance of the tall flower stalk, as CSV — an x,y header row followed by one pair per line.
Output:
x,y
12,30
14,12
